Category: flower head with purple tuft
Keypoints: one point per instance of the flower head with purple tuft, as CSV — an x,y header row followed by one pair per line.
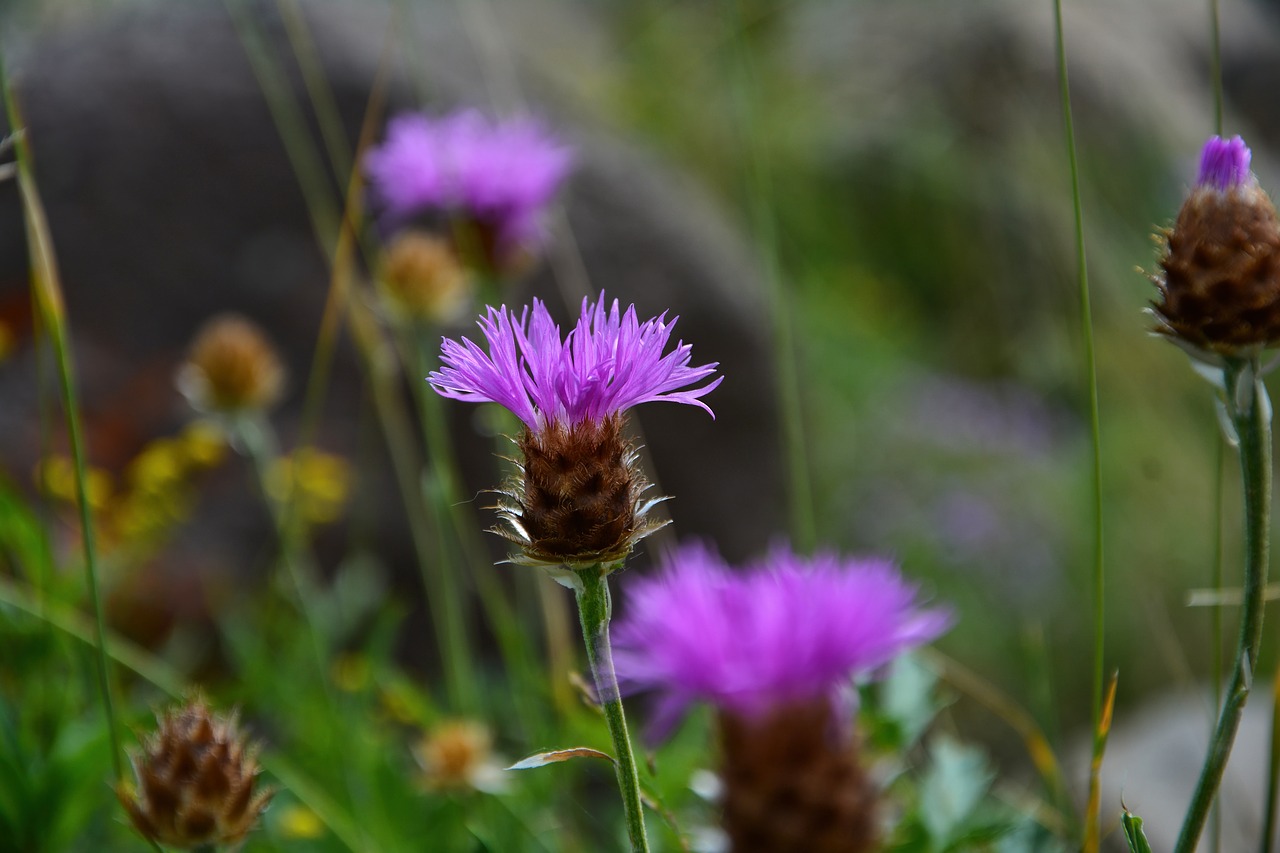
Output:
x,y
496,176
773,647
1219,278
579,497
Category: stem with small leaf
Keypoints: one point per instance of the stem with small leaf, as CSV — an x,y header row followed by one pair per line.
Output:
x,y
594,610
1249,411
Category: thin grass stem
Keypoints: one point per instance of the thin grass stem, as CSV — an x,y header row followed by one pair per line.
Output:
x,y
48,296
1097,583
800,488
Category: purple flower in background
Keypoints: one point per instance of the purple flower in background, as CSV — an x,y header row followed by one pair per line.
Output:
x,y
1224,163
784,631
498,174
579,498
608,362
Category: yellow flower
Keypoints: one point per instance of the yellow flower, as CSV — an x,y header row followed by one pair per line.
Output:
x,y
351,672
203,444
300,822
318,482
58,475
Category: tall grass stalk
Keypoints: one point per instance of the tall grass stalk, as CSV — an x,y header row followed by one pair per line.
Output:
x,y
47,286
1250,413
1097,586
759,189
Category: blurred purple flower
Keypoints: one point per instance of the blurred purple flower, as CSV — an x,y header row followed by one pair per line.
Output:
x,y
1224,163
784,630
608,362
500,173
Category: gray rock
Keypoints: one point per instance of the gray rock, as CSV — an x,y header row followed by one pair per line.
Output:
x,y
171,198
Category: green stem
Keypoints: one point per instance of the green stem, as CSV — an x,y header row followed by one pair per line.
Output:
x,y
1098,577
1250,413
803,515
594,609
449,603
48,296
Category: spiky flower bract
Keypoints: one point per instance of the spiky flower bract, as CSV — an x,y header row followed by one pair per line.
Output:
x,y
773,647
195,781
784,630
1220,269
497,175
580,497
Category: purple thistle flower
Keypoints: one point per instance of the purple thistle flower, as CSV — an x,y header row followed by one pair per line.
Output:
x,y
1224,163
500,173
579,498
608,362
782,631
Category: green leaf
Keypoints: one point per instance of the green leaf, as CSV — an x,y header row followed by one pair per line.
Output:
x,y
1133,833
952,789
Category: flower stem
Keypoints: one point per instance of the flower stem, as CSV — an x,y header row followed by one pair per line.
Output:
x,y
594,609
1250,412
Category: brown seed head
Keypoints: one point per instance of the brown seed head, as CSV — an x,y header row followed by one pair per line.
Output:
x,y
455,754
195,779
423,280
579,499
1220,281
232,367
792,782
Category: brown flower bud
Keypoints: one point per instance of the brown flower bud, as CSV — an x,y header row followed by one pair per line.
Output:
x,y
792,782
458,755
231,368
422,280
195,780
1220,271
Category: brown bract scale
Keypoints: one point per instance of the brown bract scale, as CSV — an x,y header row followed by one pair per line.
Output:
x,y
232,367
195,781
578,498
1220,287
792,782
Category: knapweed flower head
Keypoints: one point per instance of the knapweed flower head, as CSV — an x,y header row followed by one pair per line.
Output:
x,y
579,498
195,781
423,281
773,647
231,368
495,175
783,631
1219,278
458,755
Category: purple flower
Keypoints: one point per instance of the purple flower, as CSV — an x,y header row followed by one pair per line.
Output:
x,y
500,173
607,363
1224,163
785,630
